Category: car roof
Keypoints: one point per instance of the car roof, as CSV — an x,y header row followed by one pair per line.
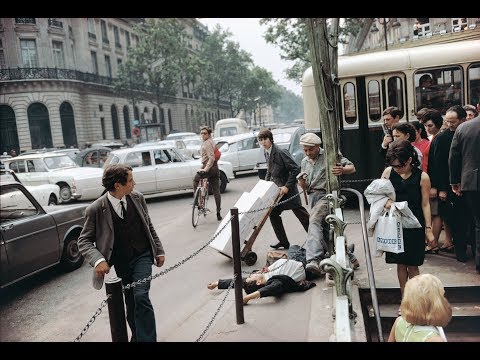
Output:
x,y
35,156
234,138
92,148
142,148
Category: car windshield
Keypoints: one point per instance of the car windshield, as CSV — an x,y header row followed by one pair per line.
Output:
x,y
282,138
59,162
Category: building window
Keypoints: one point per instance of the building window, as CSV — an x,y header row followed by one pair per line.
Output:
x,y
2,56
92,34
100,107
58,57
102,124
459,24
127,37
94,62
108,65
29,53
103,27
116,36
119,62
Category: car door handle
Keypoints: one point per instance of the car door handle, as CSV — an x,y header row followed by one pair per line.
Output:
x,y
7,227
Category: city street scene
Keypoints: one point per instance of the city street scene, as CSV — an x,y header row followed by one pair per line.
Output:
x,y
240,180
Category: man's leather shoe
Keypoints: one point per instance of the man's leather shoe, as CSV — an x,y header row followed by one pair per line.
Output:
x,y
219,217
280,245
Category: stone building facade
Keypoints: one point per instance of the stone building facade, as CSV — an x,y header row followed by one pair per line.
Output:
x,y
56,90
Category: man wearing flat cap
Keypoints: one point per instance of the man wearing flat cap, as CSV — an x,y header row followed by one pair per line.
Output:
x,y
315,184
283,171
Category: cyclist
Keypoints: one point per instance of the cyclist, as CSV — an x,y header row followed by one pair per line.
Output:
x,y
209,167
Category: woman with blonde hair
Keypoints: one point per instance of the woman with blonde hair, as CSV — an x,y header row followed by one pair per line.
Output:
x,y
424,311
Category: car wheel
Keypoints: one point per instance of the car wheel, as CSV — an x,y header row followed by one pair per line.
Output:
x,y
71,257
65,193
52,200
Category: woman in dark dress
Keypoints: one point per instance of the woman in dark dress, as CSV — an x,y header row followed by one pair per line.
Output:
x,y
411,184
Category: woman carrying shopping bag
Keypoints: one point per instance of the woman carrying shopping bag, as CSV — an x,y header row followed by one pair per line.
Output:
x,y
412,185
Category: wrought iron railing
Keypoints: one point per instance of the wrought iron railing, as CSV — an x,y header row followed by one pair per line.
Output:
x,y
25,20
52,73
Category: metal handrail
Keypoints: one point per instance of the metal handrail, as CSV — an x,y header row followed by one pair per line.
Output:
x,y
368,259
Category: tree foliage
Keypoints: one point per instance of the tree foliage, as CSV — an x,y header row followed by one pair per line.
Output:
x,y
290,36
159,63
289,107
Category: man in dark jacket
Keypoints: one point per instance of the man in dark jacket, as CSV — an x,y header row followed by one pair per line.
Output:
x,y
464,166
283,171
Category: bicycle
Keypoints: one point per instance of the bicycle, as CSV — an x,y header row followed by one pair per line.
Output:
x,y
200,199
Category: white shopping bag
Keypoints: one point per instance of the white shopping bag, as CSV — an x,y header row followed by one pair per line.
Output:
x,y
388,234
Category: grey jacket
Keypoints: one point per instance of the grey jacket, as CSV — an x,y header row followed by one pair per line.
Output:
x,y
97,237
464,159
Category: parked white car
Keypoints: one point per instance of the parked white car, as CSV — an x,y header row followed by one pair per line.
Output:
x,y
177,143
46,194
161,168
194,144
240,150
56,168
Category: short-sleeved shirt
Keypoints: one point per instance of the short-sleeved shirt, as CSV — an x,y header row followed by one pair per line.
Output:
x,y
288,267
316,176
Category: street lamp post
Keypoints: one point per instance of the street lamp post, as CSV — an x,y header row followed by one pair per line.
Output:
x,y
384,22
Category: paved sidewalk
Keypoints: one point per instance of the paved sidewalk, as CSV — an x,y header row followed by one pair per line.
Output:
x,y
307,316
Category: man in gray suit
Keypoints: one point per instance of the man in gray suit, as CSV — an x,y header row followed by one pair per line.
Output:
x,y
118,232
464,163
283,171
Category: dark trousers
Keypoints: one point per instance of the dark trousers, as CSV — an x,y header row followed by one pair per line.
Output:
x,y
473,201
140,314
276,220
214,179
458,222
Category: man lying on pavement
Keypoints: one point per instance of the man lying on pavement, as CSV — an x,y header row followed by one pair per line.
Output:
x,y
283,276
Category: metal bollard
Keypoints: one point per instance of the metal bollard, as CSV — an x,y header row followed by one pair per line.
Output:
x,y
237,265
116,310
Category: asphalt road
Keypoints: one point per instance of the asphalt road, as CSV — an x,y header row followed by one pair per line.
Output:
x,y
54,306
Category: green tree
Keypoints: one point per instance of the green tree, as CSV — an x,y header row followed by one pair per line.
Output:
x,y
222,67
159,64
290,35
289,108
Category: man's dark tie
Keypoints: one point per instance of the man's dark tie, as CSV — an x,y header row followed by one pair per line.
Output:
x,y
267,156
124,211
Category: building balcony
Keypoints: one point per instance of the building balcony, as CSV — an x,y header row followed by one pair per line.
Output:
x,y
55,23
11,74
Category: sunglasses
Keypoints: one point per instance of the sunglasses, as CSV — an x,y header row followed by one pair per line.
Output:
x,y
398,166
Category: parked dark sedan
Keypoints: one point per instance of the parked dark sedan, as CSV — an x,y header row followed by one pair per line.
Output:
x,y
34,238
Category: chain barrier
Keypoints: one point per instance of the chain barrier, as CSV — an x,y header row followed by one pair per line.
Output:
x,y
92,319
230,287
183,261
355,181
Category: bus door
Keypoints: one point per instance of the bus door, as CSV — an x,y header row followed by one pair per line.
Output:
x,y
352,140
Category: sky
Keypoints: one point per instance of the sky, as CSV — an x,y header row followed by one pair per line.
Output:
x,y
249,34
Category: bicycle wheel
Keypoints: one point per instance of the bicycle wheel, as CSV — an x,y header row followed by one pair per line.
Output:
x,y
195,209
205,201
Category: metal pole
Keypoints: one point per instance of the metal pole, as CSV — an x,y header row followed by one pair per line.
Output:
x,y
116,310
237,265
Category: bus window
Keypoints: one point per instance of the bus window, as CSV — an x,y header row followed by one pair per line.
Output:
x,y
350,103
395,92
474,84
439,89
374,109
